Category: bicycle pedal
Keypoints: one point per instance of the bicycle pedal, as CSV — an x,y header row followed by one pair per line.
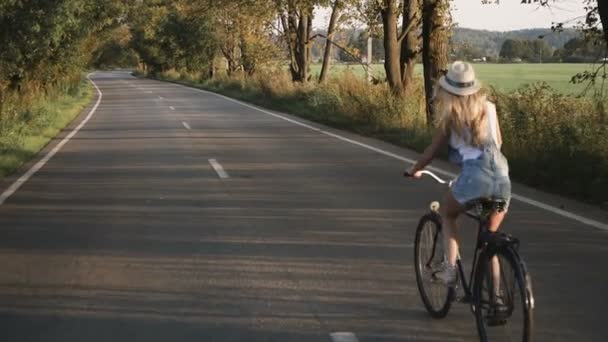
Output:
x,y
498,316
496,321
463,299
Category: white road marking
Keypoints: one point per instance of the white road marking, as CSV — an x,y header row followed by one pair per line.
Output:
x,y
160,98
218,169
343,337
186,125
171,107
524,199
148,91
25,177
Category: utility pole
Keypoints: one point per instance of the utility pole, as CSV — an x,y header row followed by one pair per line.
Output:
x,y
369,55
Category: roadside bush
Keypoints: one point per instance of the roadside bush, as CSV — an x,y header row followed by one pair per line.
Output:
x,y
556,142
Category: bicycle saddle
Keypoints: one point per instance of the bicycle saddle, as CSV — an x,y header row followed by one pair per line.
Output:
x,y
488,205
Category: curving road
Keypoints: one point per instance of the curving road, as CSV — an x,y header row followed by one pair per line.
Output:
x,y
178,215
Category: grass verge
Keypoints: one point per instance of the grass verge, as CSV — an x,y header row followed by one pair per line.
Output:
x,y
23,138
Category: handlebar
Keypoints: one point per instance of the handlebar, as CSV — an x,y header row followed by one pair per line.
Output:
x,y
434,176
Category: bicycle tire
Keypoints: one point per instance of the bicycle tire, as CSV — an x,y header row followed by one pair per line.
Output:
x,y
513,319
436,297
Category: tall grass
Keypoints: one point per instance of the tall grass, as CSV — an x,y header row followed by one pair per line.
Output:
x,y
28,122
554,142
344,101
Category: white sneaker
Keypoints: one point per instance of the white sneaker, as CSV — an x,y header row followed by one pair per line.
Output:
x,y
447,274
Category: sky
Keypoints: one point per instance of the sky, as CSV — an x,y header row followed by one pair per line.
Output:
x,y
506,16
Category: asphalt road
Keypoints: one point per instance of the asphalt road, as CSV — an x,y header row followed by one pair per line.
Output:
x,y
129,234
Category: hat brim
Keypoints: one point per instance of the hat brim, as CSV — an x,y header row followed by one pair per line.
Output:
x,y
459,91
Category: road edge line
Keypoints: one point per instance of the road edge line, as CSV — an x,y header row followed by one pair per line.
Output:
x,y
40,164
564,213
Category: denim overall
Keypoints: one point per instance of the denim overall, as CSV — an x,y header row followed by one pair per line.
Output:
x,y
484,177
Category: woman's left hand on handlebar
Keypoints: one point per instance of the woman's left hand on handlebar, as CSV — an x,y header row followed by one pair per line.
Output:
x,y
414,173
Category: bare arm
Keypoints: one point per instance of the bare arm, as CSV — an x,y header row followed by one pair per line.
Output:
x,y
498,134
439,141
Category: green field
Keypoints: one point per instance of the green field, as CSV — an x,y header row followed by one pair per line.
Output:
x,y
502,76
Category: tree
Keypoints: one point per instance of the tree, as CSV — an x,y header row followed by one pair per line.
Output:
x,y
45,43
410,49
336,7
400,46
243,31
169,36
534,51
511,49
296,18
435,35
538,51
466,51
114,50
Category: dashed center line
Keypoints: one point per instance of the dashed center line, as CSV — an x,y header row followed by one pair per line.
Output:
x,y
186,125
160,98
521,198
343,337
171,107
218,169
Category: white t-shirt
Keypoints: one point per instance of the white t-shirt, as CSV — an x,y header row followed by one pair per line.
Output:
x,y
465,149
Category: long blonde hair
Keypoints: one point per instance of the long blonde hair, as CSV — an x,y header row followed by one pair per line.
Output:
x,y
457,113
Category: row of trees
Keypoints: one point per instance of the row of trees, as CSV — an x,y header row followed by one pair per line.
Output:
x,y
186,35
45,43
248,33
576,50
527,50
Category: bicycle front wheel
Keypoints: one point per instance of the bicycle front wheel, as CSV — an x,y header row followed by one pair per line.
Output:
x,y
503,298
428,257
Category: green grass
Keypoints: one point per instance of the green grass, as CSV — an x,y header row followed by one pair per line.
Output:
x,y
22,141
505,77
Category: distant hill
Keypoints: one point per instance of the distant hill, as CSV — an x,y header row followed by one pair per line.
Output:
x,y
481,42
490,42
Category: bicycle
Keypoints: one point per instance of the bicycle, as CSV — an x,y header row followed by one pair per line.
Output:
x,y
499,287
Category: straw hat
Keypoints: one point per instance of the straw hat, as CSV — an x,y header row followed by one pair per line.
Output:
x,y
460,79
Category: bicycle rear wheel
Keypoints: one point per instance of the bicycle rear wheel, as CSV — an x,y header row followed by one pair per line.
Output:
x,y
503,298
428,258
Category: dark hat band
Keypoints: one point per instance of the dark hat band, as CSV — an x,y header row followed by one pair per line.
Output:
x,y
459,84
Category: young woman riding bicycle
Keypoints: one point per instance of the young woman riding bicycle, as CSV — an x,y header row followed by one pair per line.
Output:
x,y
468,124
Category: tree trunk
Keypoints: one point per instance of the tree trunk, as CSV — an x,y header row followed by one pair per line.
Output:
x,y
409,48
211,71
298,32
308,46
602,8
370,53
434,48
392,46
247,60
233,65
330,36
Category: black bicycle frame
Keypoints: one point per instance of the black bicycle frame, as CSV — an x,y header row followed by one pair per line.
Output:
x,y
482,222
